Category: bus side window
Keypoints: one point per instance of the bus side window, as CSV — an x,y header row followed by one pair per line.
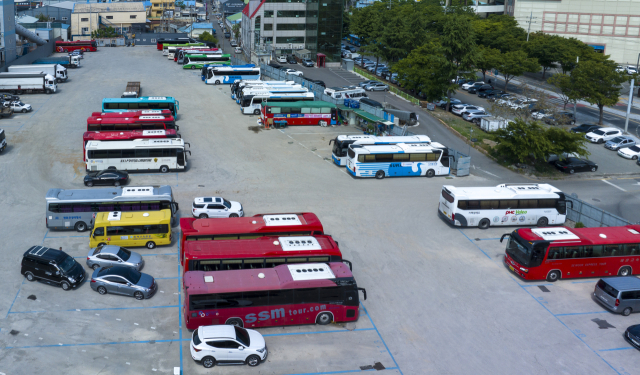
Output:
x,y
254,263
631,249
612,250
556,253
508,203
473,205
417,157
573,252
462,205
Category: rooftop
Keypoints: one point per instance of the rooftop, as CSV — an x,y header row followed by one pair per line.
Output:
x,y
109,7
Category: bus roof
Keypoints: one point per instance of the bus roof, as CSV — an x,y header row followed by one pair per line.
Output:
x,y
505,191
267,223
205,55
363,138
131,217
136,143
393,149
128,135
261,247
276,95
127,120
140,99
111,194
345,88
301,104
286,276
146,112
585,236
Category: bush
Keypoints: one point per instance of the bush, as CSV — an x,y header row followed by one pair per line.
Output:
x,y
579,225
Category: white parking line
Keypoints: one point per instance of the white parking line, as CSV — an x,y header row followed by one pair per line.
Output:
x,y
614,185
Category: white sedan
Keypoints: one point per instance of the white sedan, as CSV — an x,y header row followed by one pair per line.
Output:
x,y
465,86
632,152
293,72
21,107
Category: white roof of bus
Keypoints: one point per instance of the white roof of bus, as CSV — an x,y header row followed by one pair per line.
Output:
x,y
274,88
342,89
255,82
115,145
397,148
275,95
504,191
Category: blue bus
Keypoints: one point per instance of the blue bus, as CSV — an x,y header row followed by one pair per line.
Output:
x,y
205,68
141,103
354,39
229,74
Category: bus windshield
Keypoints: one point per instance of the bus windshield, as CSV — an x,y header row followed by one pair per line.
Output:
x,y
526,253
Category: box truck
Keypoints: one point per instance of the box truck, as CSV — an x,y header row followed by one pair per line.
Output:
x,y
56,70
66,61
132,91
19,83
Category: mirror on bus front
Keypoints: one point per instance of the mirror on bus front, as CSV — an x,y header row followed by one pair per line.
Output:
x,y
504,235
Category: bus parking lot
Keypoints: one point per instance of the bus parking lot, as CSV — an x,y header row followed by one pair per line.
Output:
x,y
439,298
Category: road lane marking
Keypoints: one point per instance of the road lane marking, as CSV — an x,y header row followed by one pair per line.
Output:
x,y
614,185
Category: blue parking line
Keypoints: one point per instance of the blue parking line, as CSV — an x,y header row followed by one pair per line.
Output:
x,y
483,252
584,313
179,310
379,335
610,350
45,236
101,309
167,278
14,299
342,372
317,332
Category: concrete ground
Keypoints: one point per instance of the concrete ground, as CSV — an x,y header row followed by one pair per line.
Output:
x,y
439,299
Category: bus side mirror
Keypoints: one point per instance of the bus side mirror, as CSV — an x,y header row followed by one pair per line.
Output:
x,y
364,291
504,235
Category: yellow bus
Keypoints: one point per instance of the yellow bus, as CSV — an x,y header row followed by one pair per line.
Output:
x,y
132,229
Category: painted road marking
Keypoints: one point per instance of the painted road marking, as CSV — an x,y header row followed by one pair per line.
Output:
x,y
612,184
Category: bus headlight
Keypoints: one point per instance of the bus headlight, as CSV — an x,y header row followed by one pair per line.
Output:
x,y
524,270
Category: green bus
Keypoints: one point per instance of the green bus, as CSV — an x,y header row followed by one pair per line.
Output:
x,y
198,61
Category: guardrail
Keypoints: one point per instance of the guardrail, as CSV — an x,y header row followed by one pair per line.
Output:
x,y
591,216
393,89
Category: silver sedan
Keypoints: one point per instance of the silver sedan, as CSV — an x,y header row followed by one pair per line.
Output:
x,y
123,280
110,255
377,87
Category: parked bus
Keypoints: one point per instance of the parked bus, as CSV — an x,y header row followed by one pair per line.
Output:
x,y
402,159
141,103
288,294
347,92
341,143
131,229
205,67
180,52
109,136
148,112
165,47
354,39
173,50
505,204
243,228
230,74
263,252
198,61
300,113
82,45
160,42
270,89
554,253
252,104
238,86
138,155
108,123
76,208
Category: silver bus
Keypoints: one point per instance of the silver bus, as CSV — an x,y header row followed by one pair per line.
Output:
x,y
77,208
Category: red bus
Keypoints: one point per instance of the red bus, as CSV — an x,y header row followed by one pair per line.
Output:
x,y
108,123
83,45
146,112
244,228
263,252
161,41
559,252
284,295
124,136
301,112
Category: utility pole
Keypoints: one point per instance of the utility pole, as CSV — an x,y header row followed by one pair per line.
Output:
x,y
529,28
626,120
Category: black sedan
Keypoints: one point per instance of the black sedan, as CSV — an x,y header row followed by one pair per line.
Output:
x,y
585,128
562,118
572,165
291,60
477,89
490,93
318,82
632,335
106,177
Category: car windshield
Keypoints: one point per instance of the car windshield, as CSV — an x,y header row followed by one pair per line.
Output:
x,y
242,335
634,148
128,273
519,250
598,132
226,203
124,254
67,264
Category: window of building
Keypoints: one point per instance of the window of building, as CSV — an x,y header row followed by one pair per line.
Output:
x,y
85,29
133,16
268,13
109,17
52,18
84,19
268,26
289,39
64,18
291,13
290,26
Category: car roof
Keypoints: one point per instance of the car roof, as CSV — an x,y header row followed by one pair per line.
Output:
x,y
623,283
222,331
109,249
123,271
202,200
608,129
45,253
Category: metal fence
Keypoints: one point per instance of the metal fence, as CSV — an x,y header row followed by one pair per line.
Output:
x,y
591,216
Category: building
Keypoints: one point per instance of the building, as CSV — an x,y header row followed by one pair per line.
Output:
x,y
161,11
45,30
124,17
57,12
482,8
8,50
281,27
231,7
611,27
195,30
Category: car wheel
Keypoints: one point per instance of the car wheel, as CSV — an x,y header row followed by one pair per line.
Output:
x,y
253,360
380,175
235,322
139,296
65,285
324,319
95,267
29,276
624,271
600,141
256,112
102,290
151,245
553,276
543,222
208,362
117,183
164,169
203,216
593,169
89,183
431,173
233,215
627,311
571,171
387,89
634,158
484,224
24,111
80,226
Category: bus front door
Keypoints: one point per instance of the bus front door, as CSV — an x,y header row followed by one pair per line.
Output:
x,y
181,158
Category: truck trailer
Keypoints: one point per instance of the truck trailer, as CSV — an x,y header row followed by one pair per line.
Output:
x,y
19,83
133,90
56,70
66,61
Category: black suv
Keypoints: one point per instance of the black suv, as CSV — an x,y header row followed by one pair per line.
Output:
x,y
53,267
479,88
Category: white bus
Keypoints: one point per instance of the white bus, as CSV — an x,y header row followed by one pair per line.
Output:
x,y
238,86
195,51
347,92
138,155
402,159
252,104
341,144
76,208
260,90
505,204
230,74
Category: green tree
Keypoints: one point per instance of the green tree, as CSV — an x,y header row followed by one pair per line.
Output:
x,y
458,42
563,141
515,63
236,30
572,50
500,32
42,18
107,32
545,48
392,40
346,23
486,60
523,142
564,88
207,37
598,83
180,4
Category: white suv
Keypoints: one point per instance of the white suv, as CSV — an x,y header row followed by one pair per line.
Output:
x,y
602,135
227,344
205,207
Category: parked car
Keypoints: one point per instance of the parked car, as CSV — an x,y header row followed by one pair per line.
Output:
x,y
502,99
308,63
619,142
123,280
111,255
368,82
393,78
237,50
291,60
489,93
631,69
382,71
318,82
619,294
9,97
227,344
561,118
522,103
293,72
110,176
204,207
475,116
629,152
602,135
78,53
585,128
227,35
459,108
233,43
475,89
375,68
442,103
19,106
352,55
632,335
466,85
572,165
378,86
540,114
620,69
462,81
351,48
51,266
371,102
282,59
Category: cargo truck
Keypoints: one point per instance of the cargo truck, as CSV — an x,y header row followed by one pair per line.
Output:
x,y
132,91
66,61
56,70
19,83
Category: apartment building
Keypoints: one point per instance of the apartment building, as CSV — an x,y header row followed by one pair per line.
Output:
x,y
161,10
124,17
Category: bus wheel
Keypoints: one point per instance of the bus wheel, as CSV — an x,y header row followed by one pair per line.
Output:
x,y
431,173
20,92
624,271
627,311
164,169
208,362
256,112
380,175
484,224
193,67
543,222
234,322
322,123
217,82
151,245
553,276
81,226
324,318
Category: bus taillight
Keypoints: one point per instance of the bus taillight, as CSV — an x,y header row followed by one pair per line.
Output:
x,y
453,217
617,302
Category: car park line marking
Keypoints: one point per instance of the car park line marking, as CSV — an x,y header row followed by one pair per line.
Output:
x,y
101,309
14,299
470,240
487,239
379,335
614,185
610,350
136,324
584,313
167,278
317,332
